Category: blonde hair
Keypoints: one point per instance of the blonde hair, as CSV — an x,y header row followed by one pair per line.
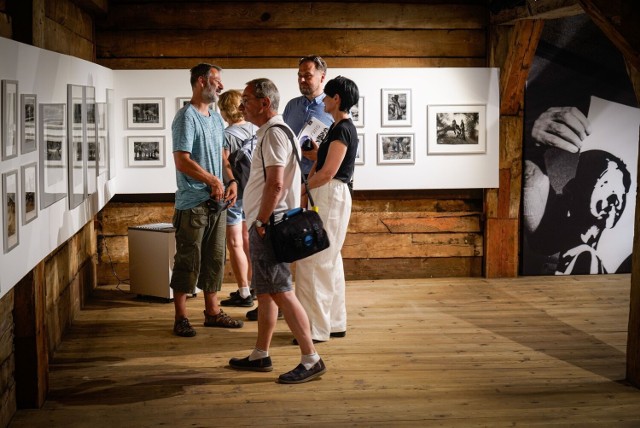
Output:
x,y
229,103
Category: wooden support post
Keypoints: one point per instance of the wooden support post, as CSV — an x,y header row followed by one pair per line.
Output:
x,y
31,352
513,49
633,331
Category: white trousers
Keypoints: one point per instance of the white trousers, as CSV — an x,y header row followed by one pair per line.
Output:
x,y
320,283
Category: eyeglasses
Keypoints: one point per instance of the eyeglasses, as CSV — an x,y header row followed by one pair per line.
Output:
x,y
319,62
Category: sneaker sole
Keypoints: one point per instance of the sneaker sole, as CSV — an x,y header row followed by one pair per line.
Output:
x,y
252,369
306,379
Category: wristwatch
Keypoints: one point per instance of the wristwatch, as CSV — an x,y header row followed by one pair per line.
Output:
x,y
259,223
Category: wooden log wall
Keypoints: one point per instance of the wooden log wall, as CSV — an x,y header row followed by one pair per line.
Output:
x,y
391,235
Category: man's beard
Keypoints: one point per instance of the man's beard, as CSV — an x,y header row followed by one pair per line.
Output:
x,y
306,90
210,95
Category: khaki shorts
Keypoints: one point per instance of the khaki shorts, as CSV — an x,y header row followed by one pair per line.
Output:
x,y
269,275
200,249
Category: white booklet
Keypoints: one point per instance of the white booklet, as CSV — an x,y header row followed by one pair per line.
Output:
x,y
314,129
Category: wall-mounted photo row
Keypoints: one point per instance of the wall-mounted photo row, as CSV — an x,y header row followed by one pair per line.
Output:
x,y
9,118
29,192
111,153
101,152
456,129
145,113
145,151
396,107
29,122
357,113
360,154
396,149
10,209
53,153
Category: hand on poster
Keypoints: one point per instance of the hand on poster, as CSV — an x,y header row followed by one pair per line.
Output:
x,y
561,127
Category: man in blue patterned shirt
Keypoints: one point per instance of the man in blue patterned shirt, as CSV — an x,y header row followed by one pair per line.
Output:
x,y
201,199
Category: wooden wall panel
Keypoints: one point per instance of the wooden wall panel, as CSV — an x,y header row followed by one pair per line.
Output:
x,y
292,15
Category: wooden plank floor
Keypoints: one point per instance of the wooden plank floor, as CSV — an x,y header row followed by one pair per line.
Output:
x,y
432,352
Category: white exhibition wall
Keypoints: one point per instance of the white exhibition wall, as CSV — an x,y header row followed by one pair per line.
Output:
x,y
430,86
46,74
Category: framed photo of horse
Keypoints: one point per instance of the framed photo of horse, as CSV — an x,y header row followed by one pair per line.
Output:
x,y
456,129
145,113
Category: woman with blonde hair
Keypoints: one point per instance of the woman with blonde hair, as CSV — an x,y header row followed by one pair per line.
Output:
x,y
235,135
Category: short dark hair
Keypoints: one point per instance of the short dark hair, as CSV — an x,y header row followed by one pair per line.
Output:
x,y
321,65
346,88
203,69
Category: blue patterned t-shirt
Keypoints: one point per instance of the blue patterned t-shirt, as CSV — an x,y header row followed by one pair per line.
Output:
x,y
202,137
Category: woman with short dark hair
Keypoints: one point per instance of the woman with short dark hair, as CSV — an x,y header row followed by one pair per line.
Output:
x,y
320,282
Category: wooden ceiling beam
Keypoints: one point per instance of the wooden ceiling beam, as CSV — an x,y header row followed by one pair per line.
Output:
x,y
537,9
618,20
98,7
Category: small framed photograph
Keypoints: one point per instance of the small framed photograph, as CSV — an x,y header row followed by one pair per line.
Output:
x,y
145,113
9,119
29,192
357,113
10,209
456,129
396,148
53,154
145,151
360,154
181,102
29,120
396,107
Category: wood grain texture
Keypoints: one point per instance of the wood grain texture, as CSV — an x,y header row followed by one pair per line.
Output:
x,y
534,351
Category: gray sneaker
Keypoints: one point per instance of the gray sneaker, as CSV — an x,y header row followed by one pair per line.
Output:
x,y
183,328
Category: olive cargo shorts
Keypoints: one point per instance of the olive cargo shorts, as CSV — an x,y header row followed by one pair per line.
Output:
x,y
200,249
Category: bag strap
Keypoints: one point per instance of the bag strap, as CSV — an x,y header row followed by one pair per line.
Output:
x,y
237,132
289,133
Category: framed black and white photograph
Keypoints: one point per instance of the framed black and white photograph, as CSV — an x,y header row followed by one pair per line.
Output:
x,y
181,102
29,192
396,107
53,153
145,113
396,148
9,119
76,148
10,209
357,113
360,154
145,151
29,121
110,149
456,129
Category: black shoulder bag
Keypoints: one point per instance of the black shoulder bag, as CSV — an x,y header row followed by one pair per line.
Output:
x,y
300,232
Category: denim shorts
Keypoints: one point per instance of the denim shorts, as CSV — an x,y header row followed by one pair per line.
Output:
x,y
269,275
235,214
200,249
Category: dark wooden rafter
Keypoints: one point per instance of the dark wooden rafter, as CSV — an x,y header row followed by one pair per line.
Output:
x,y
618,20
523,43
537,9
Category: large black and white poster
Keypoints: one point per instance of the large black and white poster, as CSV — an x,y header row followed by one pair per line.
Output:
x,y
580,154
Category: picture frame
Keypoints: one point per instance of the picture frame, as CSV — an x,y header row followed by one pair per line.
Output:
x,y
182,101
29,192
76,144
91,128
360,153
357,113
10,203
145,113
456,129
146,151
10,117
52,126
29,123
110,150
396,107
396,149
